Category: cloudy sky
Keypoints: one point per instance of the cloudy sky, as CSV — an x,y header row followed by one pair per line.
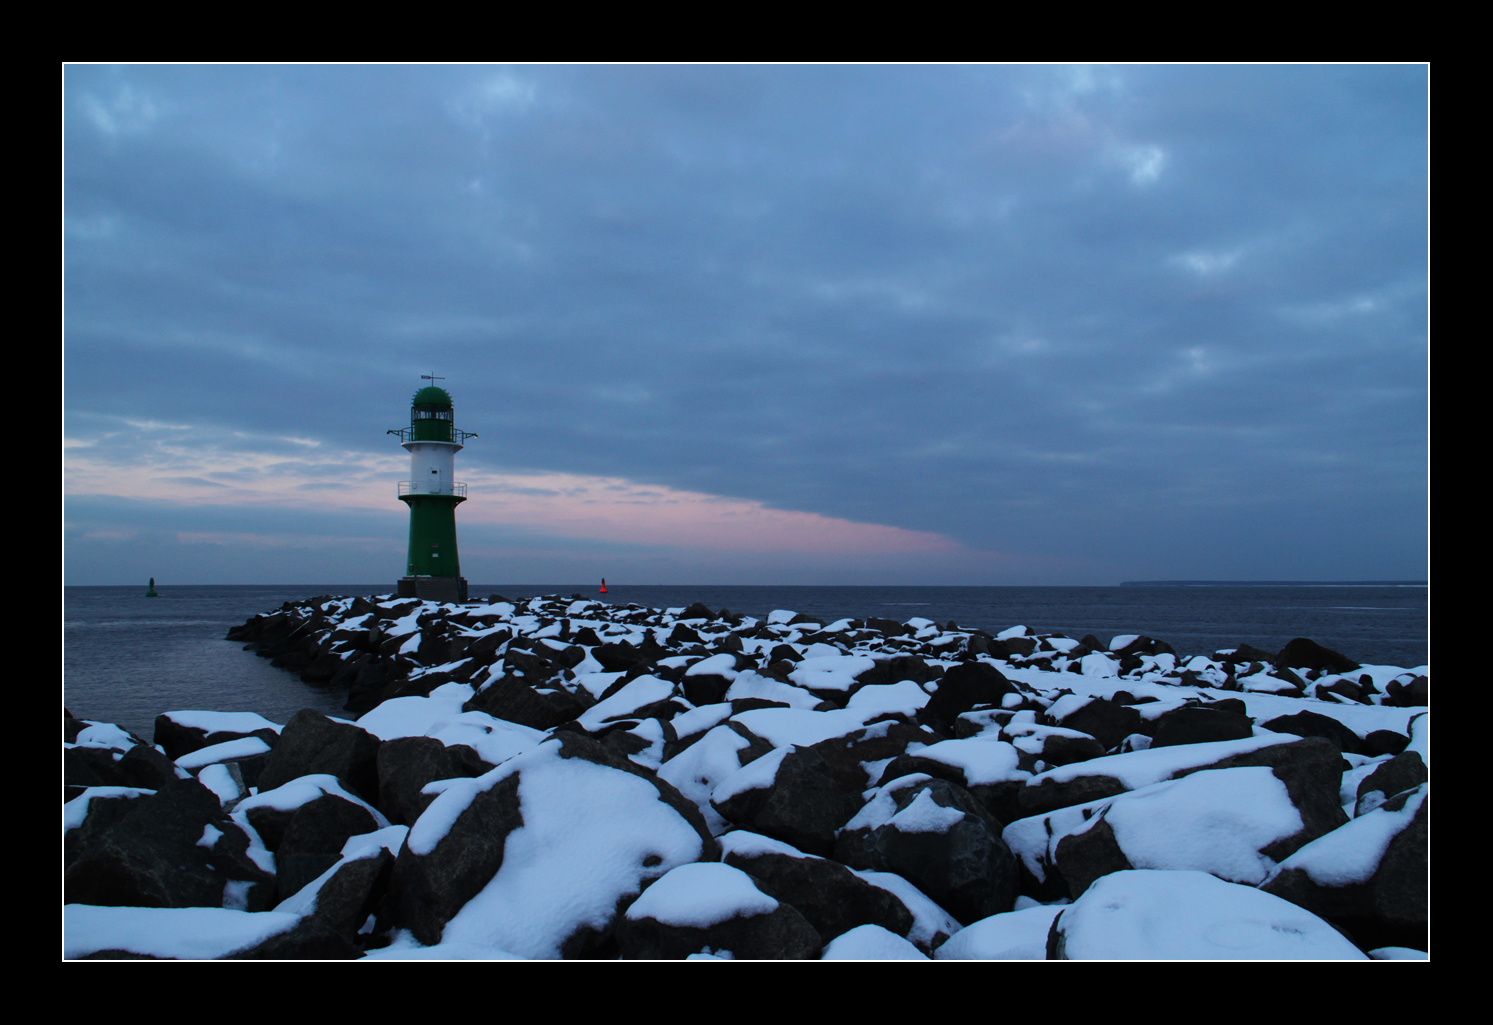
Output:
x,y
716,324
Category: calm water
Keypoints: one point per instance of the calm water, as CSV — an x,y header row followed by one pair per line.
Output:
x,y
127,658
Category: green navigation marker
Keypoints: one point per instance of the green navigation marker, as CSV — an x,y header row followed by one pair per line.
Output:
x,y
433,569
150,592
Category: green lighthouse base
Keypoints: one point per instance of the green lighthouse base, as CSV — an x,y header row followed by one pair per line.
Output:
x,y
433,588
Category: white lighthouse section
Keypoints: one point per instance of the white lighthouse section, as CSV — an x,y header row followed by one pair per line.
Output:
x,y
432,467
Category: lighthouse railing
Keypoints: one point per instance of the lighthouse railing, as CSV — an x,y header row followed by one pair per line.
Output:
x,y
457,437
420,487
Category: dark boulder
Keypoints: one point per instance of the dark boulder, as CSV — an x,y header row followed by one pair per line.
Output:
x,y
511,698
832,897
1377,892
1302,653
177,739
960,689
1405,771
171,850
800,802
1314,724
313,839
937,837
1194,724
613,827
405,766
1106,721
311,743
708,907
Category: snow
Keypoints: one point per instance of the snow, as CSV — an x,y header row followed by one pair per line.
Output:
x,y
982,761
881,807
222,722
755,775
1067,704
698,720
782,727
357,848
1213,821
367,845
905,697
1352,852
181,933
220,781
928,918
289,797
303,790
751,685
413,716
644,690
1348,791
698,769
494,740
701,894
1169,916
587,831
76,810
441,814
230,750
924,815
871,943
1420,737
747,844
831,672
596,683
1097,664
1137,769
1361,719
718,665
1014,936
406,948
1263,683
105,735
652,756
1032,739
585,834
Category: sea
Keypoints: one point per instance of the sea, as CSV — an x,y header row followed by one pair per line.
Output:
x,y
127,658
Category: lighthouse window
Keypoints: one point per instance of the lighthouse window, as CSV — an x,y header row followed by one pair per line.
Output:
x,y
435,471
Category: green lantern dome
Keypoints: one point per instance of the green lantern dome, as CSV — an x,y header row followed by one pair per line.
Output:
x,y
431,415
432,398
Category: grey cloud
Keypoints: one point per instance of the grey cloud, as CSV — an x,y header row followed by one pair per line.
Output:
x,y
995,302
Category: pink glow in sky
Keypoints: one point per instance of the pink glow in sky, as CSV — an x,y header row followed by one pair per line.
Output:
x,y
560,504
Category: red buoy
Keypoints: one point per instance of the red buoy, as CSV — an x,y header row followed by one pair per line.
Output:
x,y
603,585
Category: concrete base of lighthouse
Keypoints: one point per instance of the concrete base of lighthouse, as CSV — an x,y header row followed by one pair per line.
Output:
x,y
433,588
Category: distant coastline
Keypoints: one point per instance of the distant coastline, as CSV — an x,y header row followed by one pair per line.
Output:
x,y
1273,583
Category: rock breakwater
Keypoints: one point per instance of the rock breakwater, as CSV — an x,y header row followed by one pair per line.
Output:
x,y
521,775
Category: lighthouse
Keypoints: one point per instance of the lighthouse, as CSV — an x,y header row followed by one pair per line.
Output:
x,y
433,569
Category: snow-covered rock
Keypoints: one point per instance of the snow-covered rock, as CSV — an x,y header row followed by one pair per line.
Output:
x,y
552,765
